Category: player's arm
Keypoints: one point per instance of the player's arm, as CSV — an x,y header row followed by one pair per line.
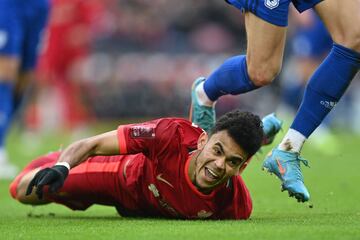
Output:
x,y
79,151
127,139
73,155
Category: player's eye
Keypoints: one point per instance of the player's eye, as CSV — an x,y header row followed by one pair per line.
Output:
x,y
234,162
217,151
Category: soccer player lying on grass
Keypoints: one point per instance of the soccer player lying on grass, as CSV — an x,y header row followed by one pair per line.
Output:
x,y
167,167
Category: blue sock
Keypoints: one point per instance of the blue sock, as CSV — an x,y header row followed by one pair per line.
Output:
x,y
230,78
6,105
325,88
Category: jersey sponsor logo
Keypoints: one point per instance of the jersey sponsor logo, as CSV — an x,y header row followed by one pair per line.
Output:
x,y
142,132
3,38
167,206
271,4
160,178
328,104
164,204
154,190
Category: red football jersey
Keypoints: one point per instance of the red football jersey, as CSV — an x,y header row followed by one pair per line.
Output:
x,y
150,179
158,182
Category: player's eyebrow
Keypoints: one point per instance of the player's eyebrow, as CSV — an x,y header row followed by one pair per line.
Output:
x,y
220,146
238,157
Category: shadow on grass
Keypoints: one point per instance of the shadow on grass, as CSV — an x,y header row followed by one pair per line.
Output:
x,y
267,218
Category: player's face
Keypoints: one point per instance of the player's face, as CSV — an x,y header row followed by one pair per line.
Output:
x,y
219,158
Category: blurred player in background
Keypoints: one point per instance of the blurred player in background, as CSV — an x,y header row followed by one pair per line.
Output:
x,y
266,25
167,167
21,26
70,33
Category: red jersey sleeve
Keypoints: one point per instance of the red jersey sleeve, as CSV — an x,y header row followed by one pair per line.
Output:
x,y
154,137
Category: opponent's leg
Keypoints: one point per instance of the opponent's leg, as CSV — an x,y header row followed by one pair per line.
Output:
x,y
242,73
10,52
8,74
21,89
18,50
323,91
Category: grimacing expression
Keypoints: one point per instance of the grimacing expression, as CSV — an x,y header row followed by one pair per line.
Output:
x,y
219,159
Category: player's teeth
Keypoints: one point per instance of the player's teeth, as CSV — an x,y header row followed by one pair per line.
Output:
x,y
212,173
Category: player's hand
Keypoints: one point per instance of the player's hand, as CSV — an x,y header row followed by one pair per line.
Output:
x,y
54,177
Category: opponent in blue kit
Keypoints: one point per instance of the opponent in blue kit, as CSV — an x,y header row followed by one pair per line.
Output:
x,y
266,25
21,25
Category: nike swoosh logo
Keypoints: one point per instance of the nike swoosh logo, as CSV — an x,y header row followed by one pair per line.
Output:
x,y
158,177
282,170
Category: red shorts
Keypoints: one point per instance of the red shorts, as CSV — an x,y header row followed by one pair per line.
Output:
x,y
99,180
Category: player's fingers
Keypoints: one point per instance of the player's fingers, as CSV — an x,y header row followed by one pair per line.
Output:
x,y
39,191
47,178
31,186
35,181
55,186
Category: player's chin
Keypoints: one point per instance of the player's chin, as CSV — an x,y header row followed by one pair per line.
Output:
x,y
208,186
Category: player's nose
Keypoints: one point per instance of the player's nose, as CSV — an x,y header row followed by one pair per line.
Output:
x,y
220,163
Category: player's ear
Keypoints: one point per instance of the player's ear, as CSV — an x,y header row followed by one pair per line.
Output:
x,y
244,165
202,140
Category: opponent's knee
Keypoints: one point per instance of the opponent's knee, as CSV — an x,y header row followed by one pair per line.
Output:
x,y
355,41
264,74
349,38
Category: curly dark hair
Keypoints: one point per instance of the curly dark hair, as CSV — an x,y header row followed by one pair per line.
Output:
x,y
245,128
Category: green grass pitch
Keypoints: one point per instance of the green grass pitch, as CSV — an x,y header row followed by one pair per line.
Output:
x,y
333,181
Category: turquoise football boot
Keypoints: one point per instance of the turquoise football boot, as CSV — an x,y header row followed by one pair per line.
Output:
x,y
286,166
271,125
201,115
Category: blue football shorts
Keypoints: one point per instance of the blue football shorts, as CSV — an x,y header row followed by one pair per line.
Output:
x,y
272,11
21,25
